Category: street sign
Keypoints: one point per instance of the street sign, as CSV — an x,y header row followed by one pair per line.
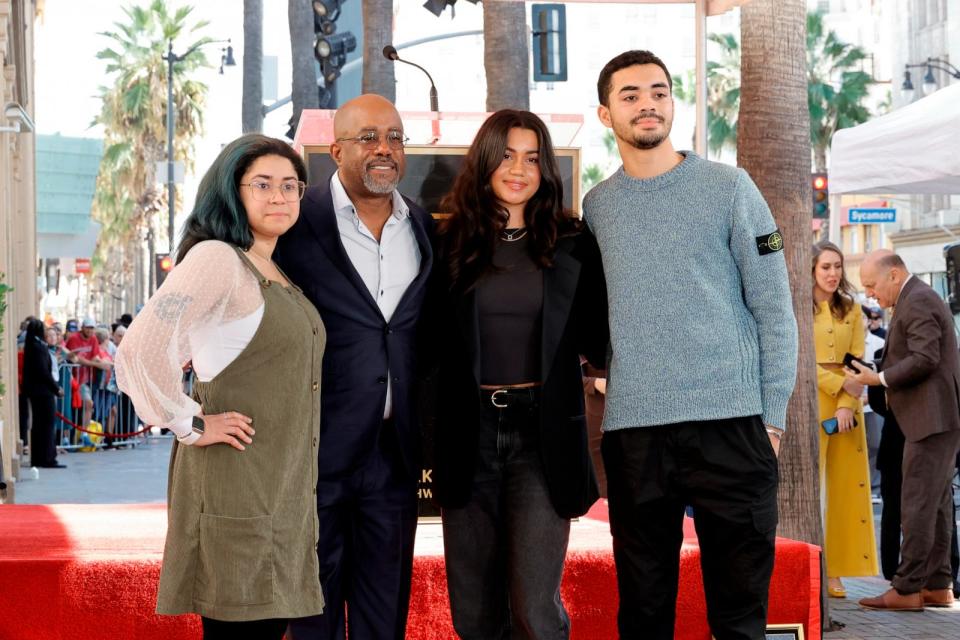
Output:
x,y
81,265
872,216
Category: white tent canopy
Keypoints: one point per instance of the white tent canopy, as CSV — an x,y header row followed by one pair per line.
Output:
x,y
913,150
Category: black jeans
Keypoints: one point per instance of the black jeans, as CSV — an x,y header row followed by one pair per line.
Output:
x,y
504,550
271,629
727,471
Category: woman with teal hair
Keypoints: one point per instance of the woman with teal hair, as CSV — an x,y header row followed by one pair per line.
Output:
x,y
242,534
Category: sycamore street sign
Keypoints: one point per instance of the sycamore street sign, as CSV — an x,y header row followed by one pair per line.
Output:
x,y
872,216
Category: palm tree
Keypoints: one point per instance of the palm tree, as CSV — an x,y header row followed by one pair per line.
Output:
x,y
835,92
774,148
133,115
304,94
506,58
378,72
252,101
723,93
837,86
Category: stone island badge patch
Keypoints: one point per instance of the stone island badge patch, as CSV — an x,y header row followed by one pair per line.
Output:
x,y
770,244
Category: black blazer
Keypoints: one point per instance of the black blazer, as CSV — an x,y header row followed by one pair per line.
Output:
x,y
574,323
361,345
37,376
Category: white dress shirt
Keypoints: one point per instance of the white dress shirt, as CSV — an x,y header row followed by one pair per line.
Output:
x,y
386,267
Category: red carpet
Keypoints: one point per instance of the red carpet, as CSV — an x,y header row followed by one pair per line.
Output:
x,y
89,572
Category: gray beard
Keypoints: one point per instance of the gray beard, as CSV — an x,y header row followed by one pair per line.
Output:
x,y
379,186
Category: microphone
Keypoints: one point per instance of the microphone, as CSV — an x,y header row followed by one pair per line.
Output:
x,y
390,53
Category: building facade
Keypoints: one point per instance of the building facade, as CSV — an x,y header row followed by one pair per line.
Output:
x,y
18,244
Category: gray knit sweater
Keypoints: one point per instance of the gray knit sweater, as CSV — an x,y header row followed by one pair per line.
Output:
x,y
701,320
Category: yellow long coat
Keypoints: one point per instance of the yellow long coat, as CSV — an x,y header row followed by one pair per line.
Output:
x,y
844,466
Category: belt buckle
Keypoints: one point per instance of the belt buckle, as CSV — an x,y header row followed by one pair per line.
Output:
x,y
493,399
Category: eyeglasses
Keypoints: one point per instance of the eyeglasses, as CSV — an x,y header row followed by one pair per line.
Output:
x,y
371,139
291,191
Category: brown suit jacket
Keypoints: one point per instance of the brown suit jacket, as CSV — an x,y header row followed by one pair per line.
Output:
x,y
921,365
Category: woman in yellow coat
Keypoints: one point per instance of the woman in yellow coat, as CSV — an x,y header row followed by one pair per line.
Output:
x,y
844,467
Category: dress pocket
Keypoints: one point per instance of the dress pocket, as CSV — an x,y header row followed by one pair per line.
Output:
x,y
235,561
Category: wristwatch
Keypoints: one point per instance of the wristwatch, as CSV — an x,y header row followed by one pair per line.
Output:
x,y
198,425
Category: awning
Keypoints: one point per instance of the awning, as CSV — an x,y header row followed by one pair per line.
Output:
x,y
913,150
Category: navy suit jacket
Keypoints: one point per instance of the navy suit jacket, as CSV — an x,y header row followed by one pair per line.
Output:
x,y
362,347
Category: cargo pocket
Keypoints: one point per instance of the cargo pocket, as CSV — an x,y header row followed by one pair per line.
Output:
x,y
236,560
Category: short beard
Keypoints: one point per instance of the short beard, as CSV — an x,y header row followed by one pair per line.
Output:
x,y
641,141
648,142
379,186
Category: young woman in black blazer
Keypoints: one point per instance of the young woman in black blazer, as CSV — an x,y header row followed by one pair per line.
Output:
x,y
517,295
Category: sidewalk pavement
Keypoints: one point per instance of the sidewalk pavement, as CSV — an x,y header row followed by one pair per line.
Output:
x,y
140,475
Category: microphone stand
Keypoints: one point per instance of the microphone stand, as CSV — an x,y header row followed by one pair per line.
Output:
x,y
390,53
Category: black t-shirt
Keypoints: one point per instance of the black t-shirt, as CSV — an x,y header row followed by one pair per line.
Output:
x,y
510,309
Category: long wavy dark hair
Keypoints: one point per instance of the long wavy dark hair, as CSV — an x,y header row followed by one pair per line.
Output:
x,y
842,299
477,218
218,212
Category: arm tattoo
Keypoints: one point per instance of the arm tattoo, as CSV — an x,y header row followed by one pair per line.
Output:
x,y
171,306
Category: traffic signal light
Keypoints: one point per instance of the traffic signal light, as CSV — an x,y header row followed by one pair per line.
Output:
x,y
437,7
330,48
821,196
164,266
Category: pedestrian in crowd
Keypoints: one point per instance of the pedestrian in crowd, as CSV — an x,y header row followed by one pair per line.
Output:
x,y
873,349
23,402
921,373
117,336
361,252
125,319
875,318
104,385
71,329
240,548
695,410
86,348
850,541
594,399
41,387
517,295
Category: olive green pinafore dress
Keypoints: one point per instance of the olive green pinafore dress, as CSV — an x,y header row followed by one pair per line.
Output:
x,y
242,534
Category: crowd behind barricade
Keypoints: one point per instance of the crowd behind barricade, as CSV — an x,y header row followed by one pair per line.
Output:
x,y
67,389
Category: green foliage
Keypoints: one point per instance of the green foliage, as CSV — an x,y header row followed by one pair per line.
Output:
x,y
837,88
4,290
134,115
591,176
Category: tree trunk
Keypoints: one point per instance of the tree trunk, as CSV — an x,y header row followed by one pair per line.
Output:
x,y
774,147
506,56
252,109
820,158
378,72
304,93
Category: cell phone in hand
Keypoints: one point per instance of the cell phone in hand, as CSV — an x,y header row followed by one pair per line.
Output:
x,y
849,359
831,426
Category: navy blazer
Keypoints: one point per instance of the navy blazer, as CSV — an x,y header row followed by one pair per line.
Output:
x,y
361,345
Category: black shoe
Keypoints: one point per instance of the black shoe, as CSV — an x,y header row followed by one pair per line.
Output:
x,y
55,465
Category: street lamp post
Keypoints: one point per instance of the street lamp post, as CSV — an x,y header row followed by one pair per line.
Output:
x,y
226,59
929,81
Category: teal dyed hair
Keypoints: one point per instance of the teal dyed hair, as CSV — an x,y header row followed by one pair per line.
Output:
x,y
218,213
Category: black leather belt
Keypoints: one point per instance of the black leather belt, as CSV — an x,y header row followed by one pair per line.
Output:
x,y
510,397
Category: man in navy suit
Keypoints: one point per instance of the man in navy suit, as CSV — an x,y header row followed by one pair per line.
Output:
x,y
361,252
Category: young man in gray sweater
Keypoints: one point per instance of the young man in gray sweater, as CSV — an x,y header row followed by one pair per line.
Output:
x,y
704,355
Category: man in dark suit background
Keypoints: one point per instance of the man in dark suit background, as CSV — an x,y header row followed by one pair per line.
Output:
x,y
361,252
921,372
